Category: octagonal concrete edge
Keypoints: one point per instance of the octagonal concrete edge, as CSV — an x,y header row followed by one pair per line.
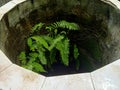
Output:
x,y
107,77
13,77
8,6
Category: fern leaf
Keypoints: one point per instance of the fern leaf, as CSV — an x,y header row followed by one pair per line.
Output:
x,y
42,57
33,54
48,39
65,55
32,57
37,27
28,66
67,25
76,53
22,57
40,40
63,24
29,42
49,28
55,41
63,47
38,67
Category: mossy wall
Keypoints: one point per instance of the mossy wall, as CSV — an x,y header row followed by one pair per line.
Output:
x,y
16,24
2,2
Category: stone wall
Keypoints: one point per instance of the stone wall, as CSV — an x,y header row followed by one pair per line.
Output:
x,y
18,21
2,2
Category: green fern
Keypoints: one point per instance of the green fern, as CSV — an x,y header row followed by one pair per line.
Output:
x,y
31,64
37,27
40,41
76,53
38,67
63,24
22,57
63,47
55,41
43,48
42,56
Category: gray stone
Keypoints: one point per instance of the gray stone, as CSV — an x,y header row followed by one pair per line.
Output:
x,y
17,78
18,1
7,7
108,77
4,62
69,82
2,2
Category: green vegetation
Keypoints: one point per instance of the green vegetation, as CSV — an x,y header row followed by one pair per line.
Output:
x,y
46,48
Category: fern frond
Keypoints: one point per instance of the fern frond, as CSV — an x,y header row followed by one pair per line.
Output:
x,y
48,39
42,56
43,48
76,53
22,57
55,41
37,27
63,47
32,57
40,40
28,66
38,67
64,24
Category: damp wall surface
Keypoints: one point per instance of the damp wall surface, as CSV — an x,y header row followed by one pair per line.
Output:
x,y
2,2
15,25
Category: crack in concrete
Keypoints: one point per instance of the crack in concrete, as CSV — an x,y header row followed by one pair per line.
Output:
x,y
92,81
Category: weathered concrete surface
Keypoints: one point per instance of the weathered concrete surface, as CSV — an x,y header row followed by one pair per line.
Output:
x,y
69,82
114,3
4,62
2,2
17,78
17,1
7,7
108,77
13,77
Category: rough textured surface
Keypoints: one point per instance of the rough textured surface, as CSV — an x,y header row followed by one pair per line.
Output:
x,y
2,2
7,7
13,77
69,82
17,78
108,77
17,1
1,15
4,62
114,3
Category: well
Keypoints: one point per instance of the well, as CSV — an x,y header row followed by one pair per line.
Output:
x,y
16,23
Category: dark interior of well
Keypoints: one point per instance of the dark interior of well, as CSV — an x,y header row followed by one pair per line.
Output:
x,y
88,38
